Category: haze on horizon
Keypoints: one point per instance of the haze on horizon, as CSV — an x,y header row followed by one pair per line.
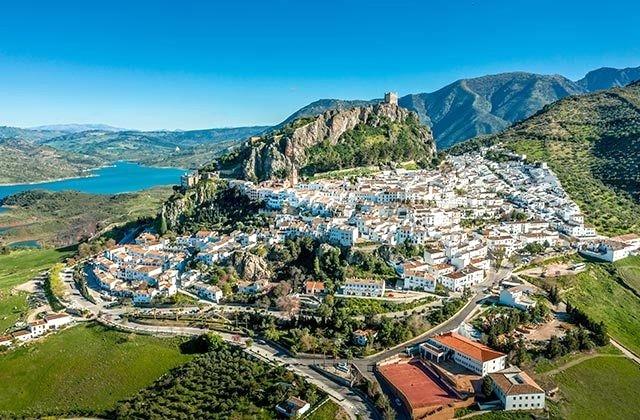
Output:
x,y
157,65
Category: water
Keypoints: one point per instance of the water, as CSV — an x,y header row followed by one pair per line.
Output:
x,y
25,244
120,178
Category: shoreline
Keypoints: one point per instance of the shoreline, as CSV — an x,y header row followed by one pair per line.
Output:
x,y
112,165
18,184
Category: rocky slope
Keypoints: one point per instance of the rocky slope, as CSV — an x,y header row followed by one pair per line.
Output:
x,y
607,77
592,142
250,267
305,142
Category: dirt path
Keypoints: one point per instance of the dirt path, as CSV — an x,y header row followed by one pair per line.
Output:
x,y
578,361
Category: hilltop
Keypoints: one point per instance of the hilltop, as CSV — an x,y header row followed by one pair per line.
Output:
x,y
592,142
336,139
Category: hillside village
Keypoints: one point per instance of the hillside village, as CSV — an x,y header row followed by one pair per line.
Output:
x,y
468,217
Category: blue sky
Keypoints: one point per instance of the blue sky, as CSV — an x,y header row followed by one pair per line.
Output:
x,y
196,64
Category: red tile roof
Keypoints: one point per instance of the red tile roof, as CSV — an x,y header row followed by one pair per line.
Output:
x,y
416,384
473,349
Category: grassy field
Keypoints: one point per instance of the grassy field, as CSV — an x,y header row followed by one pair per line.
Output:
x,y
84,369
328,411
597,293
629,270
600,388
63,218
17,268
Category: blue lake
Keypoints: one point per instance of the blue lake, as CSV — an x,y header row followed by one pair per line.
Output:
x,y
120,178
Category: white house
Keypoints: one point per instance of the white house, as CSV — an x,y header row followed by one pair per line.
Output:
x,y
5,340
37,327
517,390
608,250
517,297
343,234
22,335
363,287
56,321
293,407
416,274
466,277
465,352
209,292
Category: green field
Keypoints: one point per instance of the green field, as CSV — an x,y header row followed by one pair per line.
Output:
x,y
629,270
66,217
596,292
85,369
329,410
600,388
17,268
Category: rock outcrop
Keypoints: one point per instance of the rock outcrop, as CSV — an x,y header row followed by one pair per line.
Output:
x,y
250,267
276,154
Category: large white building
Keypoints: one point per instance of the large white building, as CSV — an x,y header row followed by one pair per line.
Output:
x,y
517,297
517,390
608,250
363,287
470,354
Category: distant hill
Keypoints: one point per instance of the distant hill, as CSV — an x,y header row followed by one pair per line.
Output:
x,y
607,77
29,155
485,105
27,134
76,128
592,142
336,139
168,148
25,161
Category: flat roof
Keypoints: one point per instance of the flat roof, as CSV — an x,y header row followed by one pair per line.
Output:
x,y
416,384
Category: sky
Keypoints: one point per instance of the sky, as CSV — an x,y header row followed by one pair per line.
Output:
x,y
203,64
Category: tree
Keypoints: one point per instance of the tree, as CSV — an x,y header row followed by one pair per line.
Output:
x,y
554,295
162,224
84,250
498,255
487,386
554,348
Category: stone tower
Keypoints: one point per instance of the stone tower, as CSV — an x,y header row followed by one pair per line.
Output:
x,y
391,98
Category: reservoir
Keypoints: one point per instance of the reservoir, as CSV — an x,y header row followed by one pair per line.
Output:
x,y
120,178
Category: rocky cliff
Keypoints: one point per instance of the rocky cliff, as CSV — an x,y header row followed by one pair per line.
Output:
x,y
250,267
394,133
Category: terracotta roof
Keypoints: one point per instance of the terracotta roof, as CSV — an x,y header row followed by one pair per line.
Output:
x,y
315,285
473,349
513,381
51,317
419,387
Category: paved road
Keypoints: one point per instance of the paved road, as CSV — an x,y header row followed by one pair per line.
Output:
x,y
628,353
350,401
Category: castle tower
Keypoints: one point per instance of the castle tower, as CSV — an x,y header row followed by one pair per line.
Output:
x,y
391,98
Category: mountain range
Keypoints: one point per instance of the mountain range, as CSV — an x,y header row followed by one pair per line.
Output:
x,y
459,111
483,105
